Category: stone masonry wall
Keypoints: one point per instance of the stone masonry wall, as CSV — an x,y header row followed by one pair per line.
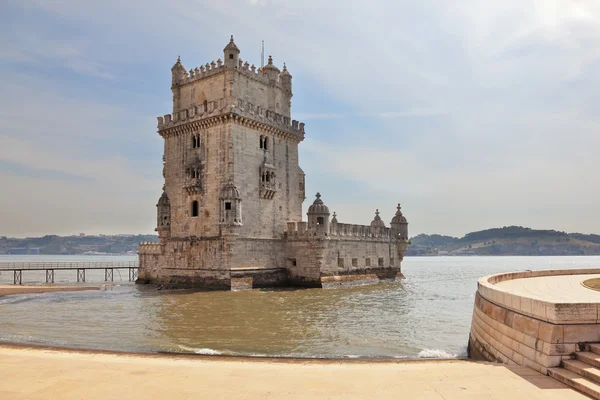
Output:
x,y
266,218
210,158
527,331
310,260
201,262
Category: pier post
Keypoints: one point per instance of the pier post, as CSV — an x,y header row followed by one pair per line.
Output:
x,y
49,276
132,274
80,275
18,275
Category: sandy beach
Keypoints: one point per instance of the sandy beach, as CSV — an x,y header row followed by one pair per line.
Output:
x,y
6,290
43,373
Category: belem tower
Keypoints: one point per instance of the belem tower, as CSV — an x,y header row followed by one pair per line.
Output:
x,y
230,214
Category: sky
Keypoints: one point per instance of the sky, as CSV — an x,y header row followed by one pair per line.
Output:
x,y
471,114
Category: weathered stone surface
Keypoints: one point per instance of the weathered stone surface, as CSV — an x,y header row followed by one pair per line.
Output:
x,y
230,214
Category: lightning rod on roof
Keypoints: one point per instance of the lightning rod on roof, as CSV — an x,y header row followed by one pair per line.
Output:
x,y
262,55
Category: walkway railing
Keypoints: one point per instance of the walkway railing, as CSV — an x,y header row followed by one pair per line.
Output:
x,y
50,267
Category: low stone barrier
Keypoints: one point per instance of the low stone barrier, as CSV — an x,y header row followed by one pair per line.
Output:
x,y
519,330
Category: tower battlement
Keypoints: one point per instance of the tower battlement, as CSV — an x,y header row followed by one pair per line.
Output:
x,y
267,75
251,71
238,112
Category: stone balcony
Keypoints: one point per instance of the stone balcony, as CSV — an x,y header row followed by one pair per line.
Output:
x,y
193,185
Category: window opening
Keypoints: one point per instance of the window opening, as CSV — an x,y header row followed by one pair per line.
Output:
x,y
231,56
205,104
355,262
320,221
228,206
194,208
380,261
368,262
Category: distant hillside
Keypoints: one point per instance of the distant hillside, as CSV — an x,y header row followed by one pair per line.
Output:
x,y
510,240
82,244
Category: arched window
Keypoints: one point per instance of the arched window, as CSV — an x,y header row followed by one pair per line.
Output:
x,y
261,142
265,143
267,177
194,208
205,104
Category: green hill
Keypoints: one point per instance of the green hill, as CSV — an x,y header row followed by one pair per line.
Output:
x,y
510,240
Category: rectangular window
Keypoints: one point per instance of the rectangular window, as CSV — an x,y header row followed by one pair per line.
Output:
x,y
228,206
355,262
368,262
380,263
391,261
320,220
340,262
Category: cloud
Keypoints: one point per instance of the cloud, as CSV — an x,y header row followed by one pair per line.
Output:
x,y
472,116
40,52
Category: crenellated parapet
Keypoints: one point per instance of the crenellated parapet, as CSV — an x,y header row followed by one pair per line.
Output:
x,y
251,71
301,230
150,248
269,75
243,112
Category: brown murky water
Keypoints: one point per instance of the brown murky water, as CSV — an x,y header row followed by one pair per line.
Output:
x,y
427,314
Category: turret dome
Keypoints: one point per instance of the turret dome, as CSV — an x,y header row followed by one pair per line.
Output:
x,y
377,221
178,66
231,46
164,200
318,207
399,218
230,192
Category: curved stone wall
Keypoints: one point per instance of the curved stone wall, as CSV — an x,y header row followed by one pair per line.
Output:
x,y
527,330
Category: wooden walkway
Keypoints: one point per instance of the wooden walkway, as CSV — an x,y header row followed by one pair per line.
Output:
x,y
50,267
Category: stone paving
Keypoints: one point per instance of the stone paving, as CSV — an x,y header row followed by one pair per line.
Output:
x,y
50,374
554,289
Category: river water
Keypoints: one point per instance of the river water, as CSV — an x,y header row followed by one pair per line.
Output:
x,y
425,315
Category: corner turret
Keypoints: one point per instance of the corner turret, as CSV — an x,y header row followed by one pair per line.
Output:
x,y
318,216
285,78
178,72
399,225
271,71
231,54
231,205
163,216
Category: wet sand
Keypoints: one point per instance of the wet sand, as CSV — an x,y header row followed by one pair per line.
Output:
x,y
43,373
6,290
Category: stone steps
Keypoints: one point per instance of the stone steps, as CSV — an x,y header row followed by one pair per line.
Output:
x,y
588,357
576,381
581,373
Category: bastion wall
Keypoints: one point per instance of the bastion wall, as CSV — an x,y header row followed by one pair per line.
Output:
x,y
515,329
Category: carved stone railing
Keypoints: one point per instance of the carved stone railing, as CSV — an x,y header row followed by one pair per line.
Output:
x,y
150,248
193,185
339,231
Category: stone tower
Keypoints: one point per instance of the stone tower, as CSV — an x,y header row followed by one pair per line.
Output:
x,y
231,166
230,214
227,143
